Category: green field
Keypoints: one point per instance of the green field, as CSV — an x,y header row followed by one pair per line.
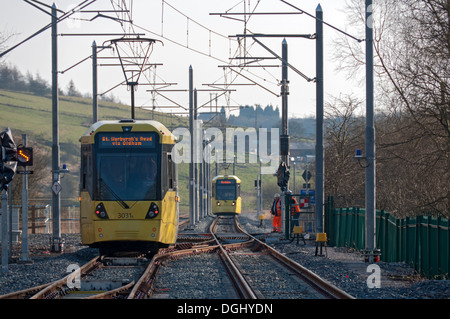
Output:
x,y
32,115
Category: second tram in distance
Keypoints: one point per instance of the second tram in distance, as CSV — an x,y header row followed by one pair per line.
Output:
x,y
226,195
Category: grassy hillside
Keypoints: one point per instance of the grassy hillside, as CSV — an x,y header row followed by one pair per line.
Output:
x,y
31,114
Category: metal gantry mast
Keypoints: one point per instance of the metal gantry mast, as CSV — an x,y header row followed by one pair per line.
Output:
x,y
370,140
57,244
320,160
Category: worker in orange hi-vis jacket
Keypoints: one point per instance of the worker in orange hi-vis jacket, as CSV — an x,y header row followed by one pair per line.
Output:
x,y
276,212
295,210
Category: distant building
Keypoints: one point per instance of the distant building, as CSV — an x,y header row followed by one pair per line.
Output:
x,y
301,149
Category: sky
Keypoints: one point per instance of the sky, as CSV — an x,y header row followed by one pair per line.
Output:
x,y
189,35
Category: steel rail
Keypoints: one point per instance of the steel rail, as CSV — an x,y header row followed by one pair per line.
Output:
x,y
323,286
143,288
39,292
25,293
319,283
113,293
242,287
53,290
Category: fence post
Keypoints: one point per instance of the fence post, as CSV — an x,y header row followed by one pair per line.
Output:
x,y
330,222
339,228
33,219
407,241
447,242
418,246
386,248
345,233
397,239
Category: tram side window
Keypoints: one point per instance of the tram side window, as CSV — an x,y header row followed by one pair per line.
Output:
x,y
168,172
171,171
86,168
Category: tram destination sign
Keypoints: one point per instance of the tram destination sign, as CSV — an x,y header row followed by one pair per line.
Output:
x,y
226,181
118,139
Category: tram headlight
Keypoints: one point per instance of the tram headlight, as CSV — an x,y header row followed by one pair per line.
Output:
x,y
153,211
233,203
100,211
218,203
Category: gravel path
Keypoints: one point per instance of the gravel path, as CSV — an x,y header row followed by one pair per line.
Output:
x,y
342,267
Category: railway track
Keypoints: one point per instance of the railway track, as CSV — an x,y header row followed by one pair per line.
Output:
x,y
100,278
242,264
248,264
250,251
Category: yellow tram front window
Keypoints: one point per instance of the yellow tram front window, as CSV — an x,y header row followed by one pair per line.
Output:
x,y
226,189
127,177
127,172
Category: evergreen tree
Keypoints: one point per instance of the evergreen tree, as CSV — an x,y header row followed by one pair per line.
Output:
x,y
72,90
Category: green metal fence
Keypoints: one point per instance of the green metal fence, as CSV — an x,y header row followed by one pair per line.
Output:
x,y
422,241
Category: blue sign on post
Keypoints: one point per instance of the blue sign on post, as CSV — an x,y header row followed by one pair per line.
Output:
x,y
309,192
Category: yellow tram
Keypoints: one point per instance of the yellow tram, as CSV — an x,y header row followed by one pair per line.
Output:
x,y
226,195
128,186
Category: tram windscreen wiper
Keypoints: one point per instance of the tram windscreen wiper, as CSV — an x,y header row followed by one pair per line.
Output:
x,y
118,199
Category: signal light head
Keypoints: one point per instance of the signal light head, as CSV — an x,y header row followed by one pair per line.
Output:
x,y
24,156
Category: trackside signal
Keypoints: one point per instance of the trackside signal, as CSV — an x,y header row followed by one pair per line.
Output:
x,y
24,156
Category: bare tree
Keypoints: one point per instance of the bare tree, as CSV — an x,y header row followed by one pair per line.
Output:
x,y
4,38
344,178
412,50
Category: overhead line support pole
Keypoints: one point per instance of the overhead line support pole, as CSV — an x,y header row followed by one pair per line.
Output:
x,y
319,121
56,201
94,84
284,98
370,140
284,137
195,159
191,164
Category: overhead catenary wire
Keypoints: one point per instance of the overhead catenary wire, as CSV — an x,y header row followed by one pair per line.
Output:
x,y
213,57
67,14
237,71
326,23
